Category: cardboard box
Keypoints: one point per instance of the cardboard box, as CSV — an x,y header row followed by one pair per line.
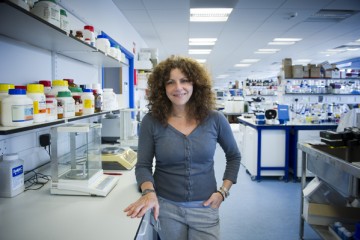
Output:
x,y
297,71
315,72
323,214
287,62
287,72
306,71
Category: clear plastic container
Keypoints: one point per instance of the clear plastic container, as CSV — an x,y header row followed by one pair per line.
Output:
x,y
88,100
67,103
11,175
47,10
109,100
36,93
17,109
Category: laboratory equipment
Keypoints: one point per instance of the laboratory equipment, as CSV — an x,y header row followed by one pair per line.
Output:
x,y
117,158
76,161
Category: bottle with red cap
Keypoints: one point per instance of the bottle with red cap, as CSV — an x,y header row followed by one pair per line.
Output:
x,y
89,34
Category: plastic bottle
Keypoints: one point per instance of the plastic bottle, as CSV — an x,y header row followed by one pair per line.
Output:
x,y
4,92
64,21
103,44
76,93
47,10
98,101
70,82
109,100
11,175
47,86
88,101
78,105
67,102
51,108
89,33
17,109
59,85
36,93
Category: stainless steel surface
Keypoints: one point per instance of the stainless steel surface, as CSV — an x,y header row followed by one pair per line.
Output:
x,y
349,174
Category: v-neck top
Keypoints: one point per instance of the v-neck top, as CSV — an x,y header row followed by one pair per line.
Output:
x,y
184,165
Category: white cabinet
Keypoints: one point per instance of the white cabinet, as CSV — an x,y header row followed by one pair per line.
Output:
x,y
272,152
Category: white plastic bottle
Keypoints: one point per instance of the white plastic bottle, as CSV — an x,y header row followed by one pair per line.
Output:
x,y
51,108
89,34
109,100
47,86
47,10
36,93
88,100
59,85
103,44
17,109
11,175
4,92
64,21
67,102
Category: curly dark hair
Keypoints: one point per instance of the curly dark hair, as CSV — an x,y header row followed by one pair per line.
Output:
x,y
202,100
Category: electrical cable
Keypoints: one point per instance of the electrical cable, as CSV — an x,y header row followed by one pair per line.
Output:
x,y
37,181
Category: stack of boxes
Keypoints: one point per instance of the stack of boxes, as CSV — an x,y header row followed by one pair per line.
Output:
x,y
322,70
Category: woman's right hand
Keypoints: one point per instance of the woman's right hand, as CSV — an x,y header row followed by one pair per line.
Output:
x,y
142,205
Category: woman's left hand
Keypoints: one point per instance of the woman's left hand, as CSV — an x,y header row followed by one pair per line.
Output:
x,y
214,201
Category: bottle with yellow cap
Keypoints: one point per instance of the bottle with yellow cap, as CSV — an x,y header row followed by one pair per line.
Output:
x,y
36,93
4,91
59,86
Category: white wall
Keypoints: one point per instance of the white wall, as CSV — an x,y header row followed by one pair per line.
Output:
x,y
21,64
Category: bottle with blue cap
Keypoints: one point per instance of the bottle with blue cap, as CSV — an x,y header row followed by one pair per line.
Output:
x,y
17,109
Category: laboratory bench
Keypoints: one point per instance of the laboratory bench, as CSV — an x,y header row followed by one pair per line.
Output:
x,y
37,214
271,149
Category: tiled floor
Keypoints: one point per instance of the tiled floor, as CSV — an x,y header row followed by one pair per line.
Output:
x,y
265,210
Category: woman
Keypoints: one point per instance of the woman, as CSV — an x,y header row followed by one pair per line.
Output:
x,y
181,131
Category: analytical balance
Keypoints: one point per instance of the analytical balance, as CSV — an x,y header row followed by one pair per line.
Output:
x,y
76,161
117,158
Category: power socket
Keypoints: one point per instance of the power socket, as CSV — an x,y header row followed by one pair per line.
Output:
x,y
44,140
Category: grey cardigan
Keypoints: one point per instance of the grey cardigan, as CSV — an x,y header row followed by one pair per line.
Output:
x,y
184,165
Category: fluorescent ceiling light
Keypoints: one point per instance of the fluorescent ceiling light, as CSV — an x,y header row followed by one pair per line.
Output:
x,y
249,60
287,39
202,41
199,51
281,43
334,50
222,76
201,60
353,49
258,52
242,65
209,14
267,51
